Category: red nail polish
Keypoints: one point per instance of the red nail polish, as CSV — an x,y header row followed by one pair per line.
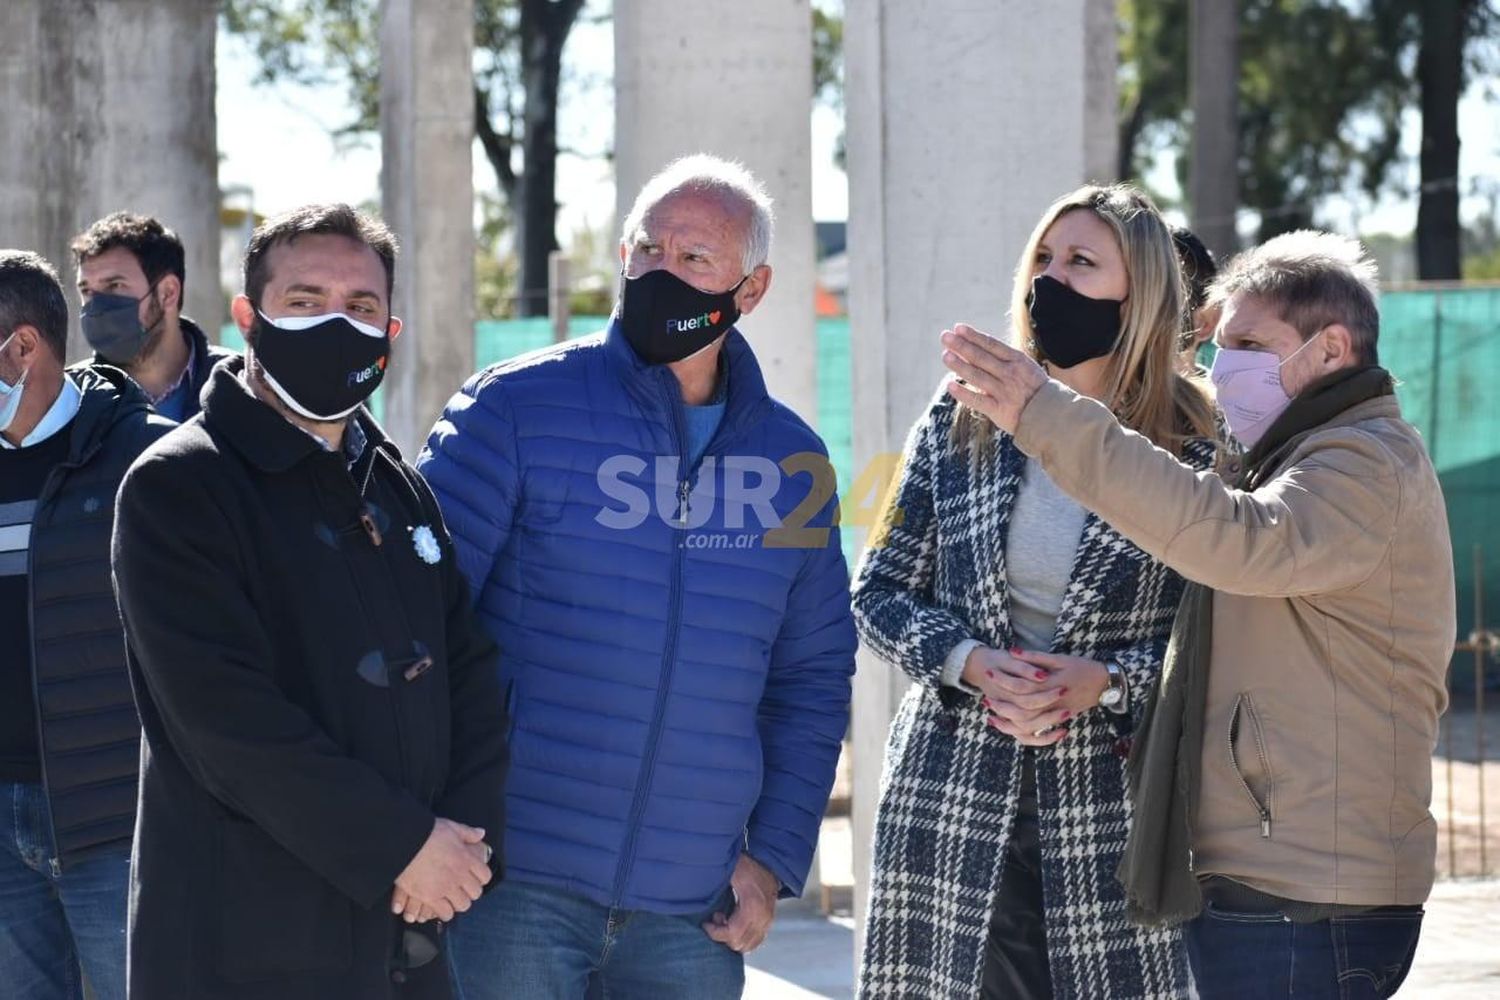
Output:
x,y
1041,675
989,673
1061,692
1067,716
1015,651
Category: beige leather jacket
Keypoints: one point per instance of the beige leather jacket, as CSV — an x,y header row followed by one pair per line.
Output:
x,y
1332,629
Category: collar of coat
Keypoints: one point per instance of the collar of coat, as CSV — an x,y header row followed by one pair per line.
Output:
x,y
202,356
655,387
266,439
108,396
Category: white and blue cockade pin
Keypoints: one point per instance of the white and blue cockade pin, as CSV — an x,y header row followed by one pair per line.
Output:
x,y
426,544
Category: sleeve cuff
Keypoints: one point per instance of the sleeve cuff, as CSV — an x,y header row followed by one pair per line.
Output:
x,y
953,666
1045,409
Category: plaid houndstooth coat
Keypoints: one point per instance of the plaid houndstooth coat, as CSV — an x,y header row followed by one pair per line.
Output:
x,y
949,788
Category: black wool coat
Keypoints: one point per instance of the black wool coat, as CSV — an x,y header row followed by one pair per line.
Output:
x,y
313,690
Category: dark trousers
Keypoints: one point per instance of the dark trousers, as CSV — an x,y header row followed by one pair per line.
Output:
x,y
1015,954
1256,956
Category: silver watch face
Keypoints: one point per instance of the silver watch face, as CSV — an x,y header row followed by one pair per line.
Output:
x,y
1111,697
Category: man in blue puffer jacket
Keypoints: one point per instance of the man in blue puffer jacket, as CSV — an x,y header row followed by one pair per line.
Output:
x,y
653,541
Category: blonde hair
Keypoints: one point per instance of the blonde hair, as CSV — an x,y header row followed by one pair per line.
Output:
x,y
1142,385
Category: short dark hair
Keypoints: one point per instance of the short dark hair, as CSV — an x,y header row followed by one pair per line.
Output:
x,y
1198,266
321,220
155,247
32,295
1311,279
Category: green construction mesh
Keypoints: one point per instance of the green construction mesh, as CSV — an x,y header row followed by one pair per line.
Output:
x,y
1443,346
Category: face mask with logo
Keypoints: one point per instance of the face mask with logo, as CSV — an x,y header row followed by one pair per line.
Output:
x,y
112,326
323,367
1068,327
1249,390
666,319
10,394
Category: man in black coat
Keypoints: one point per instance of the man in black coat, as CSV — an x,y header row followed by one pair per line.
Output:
x,y
69,739
131,274
324,729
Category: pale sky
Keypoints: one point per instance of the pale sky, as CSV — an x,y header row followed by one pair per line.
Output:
x,y
276,140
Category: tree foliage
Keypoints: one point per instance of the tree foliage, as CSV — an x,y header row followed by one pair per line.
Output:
x,y
517,66
1323,85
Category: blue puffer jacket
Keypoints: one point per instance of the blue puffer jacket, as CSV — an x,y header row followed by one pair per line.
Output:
x,y
679,690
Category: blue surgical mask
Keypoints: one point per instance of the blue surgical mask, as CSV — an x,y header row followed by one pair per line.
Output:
x,y
10,395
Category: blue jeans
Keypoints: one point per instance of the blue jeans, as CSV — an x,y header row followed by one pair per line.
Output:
x,y
57,926
1258,956
542,943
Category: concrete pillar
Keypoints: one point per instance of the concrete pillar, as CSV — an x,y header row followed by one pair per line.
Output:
x,y
427,194
109,105
962,127
734,79
1213,85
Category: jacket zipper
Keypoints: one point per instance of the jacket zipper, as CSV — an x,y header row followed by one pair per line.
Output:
x,y
48,489
1260,749
669,654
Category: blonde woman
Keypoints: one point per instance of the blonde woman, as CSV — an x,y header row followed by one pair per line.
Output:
x,y
1034,633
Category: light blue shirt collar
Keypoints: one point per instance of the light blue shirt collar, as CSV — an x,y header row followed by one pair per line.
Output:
x,y
64,408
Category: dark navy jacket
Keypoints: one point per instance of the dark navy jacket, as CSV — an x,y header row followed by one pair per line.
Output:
x,y
89,735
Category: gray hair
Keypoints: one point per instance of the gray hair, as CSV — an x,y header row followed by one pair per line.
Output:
x,y
1312,279
31,295
703,172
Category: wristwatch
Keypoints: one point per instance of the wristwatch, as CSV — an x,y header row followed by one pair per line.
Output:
x,y
1113,696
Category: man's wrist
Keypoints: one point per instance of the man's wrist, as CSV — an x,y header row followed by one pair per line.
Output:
x,y
763,874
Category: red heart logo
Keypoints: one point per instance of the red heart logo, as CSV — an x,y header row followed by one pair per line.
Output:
x,y
713,317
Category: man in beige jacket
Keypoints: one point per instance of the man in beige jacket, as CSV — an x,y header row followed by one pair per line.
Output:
x,y
1282,778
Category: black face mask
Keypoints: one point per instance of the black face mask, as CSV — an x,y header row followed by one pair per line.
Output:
x,y
322,367
112,326
666,319
1070,328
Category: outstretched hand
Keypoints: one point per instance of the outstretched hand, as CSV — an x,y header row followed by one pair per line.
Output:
x,y
998,380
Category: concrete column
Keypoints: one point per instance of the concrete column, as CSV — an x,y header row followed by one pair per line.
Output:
x,y
962,127
109,105
734,79
427,194
1213,84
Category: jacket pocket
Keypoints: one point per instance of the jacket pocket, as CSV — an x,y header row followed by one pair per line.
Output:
x,y
277,918
1251,762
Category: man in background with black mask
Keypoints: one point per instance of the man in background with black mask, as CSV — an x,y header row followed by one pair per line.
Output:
x,y
651,538
69,739
130,279
324,728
